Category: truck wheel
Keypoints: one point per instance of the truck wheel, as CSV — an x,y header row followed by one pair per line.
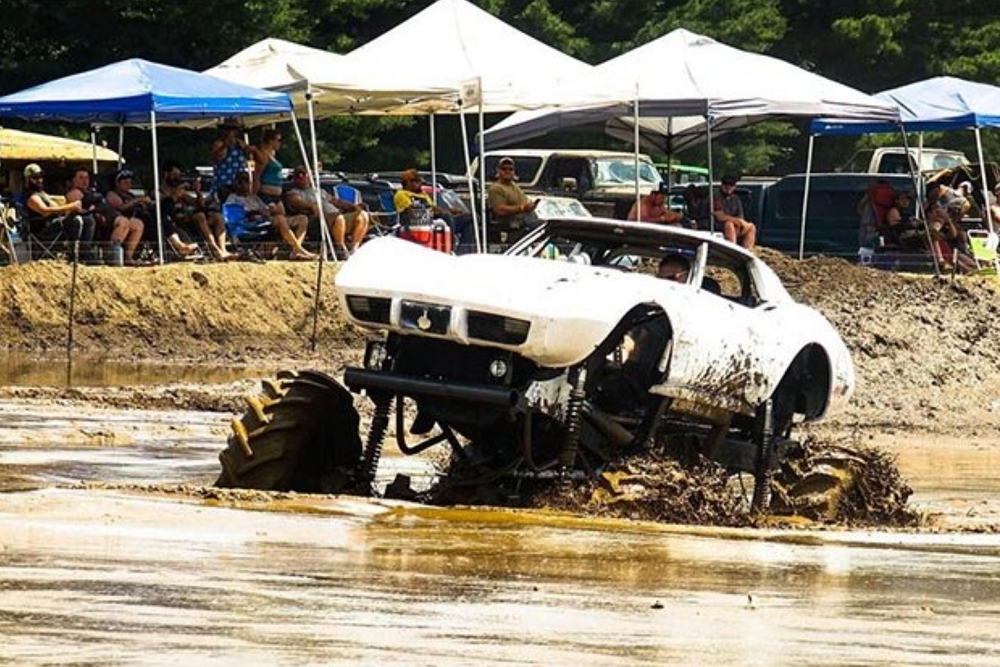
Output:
x,y
815,481
300,433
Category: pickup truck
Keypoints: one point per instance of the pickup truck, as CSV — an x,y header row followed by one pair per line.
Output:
x,y
832,219
892,160
604,181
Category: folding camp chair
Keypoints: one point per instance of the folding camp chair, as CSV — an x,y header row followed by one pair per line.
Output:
x,y
10,236
983,245
244,231
384,222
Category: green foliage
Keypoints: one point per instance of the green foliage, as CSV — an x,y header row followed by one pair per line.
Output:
x,y
868,44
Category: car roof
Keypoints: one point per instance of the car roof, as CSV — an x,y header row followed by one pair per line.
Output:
x,y
577,152
647,234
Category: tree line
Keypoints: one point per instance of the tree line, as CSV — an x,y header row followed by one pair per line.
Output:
x,y
871,45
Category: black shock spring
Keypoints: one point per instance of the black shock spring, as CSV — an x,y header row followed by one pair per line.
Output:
x,y
574,418
373,447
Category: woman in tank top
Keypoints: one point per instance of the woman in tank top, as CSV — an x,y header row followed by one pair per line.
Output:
x,y
267,169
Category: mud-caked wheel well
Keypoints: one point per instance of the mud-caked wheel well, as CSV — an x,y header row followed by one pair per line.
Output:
x,y
805,387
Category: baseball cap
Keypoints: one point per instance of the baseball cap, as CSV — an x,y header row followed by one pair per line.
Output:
x,y
662,189
32,170
504,161
123,174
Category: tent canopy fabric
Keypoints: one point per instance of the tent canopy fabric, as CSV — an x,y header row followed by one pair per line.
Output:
x,y
275,64
430,57
23,146
336,88
130,92
683,80
939,103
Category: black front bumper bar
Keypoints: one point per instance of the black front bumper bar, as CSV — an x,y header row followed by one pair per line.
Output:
x,y
357,379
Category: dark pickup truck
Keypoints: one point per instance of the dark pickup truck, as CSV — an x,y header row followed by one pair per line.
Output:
x,y
832,219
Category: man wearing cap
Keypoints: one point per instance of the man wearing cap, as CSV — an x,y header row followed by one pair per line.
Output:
x,y
653,208
343,218
728,210
46,218
508,202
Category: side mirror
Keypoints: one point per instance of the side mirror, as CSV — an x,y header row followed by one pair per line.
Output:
x,y
568,183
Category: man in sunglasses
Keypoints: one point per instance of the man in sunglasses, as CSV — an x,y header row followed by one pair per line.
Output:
x,y
508,203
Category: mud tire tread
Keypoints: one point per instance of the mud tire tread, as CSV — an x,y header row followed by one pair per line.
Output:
x,y
308,440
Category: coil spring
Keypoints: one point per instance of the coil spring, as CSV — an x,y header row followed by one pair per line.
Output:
x,y
574,416
373,447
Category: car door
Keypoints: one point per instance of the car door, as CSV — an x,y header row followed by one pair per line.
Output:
x,y
714,357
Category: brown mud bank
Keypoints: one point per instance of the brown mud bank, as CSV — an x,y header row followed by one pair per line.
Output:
x,y
926,352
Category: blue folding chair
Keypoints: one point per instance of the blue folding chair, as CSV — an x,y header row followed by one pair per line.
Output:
x,y
348,193
385,222
243,230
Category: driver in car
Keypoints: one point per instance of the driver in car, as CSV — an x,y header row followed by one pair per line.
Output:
x,y
674,266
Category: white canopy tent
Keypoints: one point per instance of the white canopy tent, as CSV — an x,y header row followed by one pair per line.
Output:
x,y
470,59
687,86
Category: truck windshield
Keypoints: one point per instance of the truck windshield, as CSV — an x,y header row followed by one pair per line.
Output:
x,y
616,170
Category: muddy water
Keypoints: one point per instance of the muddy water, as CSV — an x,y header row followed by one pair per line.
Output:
x,y
18,369
92,577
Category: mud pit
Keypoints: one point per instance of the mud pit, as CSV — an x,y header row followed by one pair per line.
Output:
x,y
925,352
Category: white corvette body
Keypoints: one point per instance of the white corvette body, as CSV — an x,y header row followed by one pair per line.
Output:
x,y
567,287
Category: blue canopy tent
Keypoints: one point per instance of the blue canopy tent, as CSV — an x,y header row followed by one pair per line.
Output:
x,y
139,93
941,103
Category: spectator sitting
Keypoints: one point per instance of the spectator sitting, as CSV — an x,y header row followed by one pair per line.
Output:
x,y
900,230
109,226
945,208
728,210
343,218
417,207
47,218
185,206
696,206
652,208
123,200
292,231
508,203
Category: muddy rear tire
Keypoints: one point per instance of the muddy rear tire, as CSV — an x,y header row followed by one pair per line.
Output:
x,y
836,483
300,433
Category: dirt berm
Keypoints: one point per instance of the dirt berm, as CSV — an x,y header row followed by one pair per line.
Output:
x,y
926,349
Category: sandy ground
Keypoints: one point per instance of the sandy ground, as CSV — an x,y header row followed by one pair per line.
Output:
x,y
925,349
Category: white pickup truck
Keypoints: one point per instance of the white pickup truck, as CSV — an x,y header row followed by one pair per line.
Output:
x,y
892,160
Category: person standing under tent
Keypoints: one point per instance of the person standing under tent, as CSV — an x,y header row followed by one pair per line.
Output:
x,y
229,157
267,180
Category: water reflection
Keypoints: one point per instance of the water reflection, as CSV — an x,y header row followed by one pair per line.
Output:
x,y
17,369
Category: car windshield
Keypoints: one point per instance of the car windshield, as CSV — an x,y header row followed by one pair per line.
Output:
x,y
617,170
638,249
559,207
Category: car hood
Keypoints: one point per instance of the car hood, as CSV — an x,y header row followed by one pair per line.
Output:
x,y
571,307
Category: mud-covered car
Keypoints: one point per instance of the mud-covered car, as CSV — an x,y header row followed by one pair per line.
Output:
x,y
552,360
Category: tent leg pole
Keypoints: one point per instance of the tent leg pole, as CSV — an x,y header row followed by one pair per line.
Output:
x,y
805,197
711,175
480,241
156,188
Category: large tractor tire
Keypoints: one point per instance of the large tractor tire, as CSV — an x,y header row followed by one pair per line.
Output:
x,y
836,483
300,433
